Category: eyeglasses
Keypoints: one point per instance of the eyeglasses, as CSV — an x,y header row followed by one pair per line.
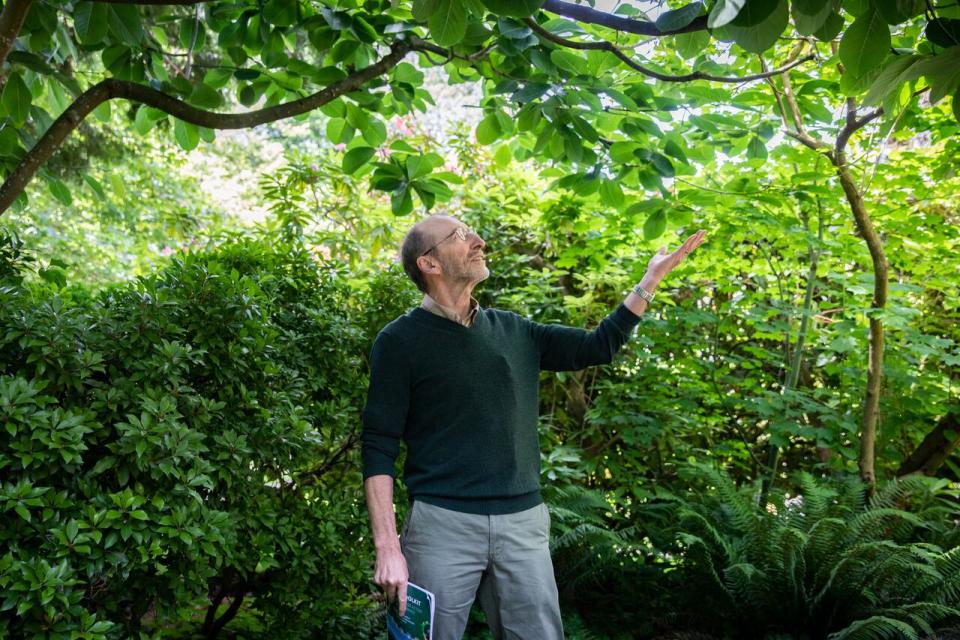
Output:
x,y
460,232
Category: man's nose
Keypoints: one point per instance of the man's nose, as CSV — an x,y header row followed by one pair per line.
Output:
x,y
477,242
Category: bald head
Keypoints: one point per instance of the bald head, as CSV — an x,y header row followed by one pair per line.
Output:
x,y
419,238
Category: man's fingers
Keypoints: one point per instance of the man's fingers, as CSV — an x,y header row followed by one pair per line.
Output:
x,y
693,242
402,594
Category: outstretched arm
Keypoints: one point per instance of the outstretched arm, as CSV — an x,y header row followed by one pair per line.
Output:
x,y
570,349
660,265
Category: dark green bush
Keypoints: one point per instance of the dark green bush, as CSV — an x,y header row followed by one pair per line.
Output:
x,y
180,443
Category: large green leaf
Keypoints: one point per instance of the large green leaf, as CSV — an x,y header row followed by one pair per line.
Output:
x,y
90,22
655,225
513,8
125,24
16,99
690,45
865,44
338,131
942,73
830,29
810,15
851,85
448,22
889,79
611,194
897,11
662,164
375,133
568,61
423,9
956,105
679,18
192,33
142,122
724,12
756,149
186,134
944,32
755,12
401,202
488,130
60,191
281,13
759,36
356,158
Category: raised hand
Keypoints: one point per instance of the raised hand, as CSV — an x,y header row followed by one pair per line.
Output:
x,y
663,262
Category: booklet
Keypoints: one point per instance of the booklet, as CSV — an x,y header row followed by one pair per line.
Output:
x,y
417,621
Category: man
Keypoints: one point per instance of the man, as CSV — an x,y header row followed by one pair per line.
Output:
x,y
459,385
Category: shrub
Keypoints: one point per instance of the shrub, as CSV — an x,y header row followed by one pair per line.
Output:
x,y
184,440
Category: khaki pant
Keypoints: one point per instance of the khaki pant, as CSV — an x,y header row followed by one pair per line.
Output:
x,y
503,560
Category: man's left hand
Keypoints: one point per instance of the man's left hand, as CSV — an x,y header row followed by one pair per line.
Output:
x,y
663,262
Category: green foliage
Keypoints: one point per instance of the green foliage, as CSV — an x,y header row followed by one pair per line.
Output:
x,y
704,378
821,564
261,55
184,434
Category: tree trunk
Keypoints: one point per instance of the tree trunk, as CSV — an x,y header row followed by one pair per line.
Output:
x,y
936,447
212,625
871,400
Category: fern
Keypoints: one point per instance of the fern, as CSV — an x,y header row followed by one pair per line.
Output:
x,y
584,548
828,563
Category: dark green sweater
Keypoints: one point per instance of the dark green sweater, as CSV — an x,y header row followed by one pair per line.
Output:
x,y
465,402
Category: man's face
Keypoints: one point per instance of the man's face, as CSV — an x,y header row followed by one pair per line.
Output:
x,y
457,249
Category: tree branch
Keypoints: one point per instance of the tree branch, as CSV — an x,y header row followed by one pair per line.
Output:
x,y
936,446
583,13
449,54
335,457
696,75
111,89
853,125
11,20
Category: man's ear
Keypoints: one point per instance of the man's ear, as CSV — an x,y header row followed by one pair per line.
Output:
x,y
428,265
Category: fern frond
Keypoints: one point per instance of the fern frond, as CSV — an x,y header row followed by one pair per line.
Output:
x,y
876,628
947,591
883,522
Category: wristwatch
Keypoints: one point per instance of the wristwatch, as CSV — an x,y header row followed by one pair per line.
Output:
x,y
643,293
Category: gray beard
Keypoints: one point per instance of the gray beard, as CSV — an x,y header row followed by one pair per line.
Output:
x,y
469,272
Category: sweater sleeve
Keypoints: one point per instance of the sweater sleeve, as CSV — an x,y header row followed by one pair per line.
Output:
x,y
385,413
571,349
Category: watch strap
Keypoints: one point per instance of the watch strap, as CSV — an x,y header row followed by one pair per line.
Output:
x,y
643,293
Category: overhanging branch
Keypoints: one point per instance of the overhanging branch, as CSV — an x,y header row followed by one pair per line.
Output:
x,y
111,89
582,13
689,77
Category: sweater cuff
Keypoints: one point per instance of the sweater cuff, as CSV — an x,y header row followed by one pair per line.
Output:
x,y
374,465
625,319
